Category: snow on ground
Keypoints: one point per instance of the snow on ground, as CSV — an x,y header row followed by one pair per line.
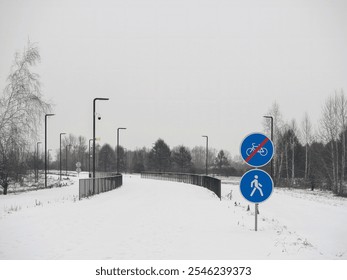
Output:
x,y
318,217
17,201
150,219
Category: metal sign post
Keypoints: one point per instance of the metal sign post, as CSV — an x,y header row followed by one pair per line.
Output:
x,y
256,185
256,216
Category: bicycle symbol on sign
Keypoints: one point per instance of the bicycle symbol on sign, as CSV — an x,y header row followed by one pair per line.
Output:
x,y
262,151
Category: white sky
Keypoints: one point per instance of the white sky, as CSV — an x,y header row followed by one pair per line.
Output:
x,y
179,69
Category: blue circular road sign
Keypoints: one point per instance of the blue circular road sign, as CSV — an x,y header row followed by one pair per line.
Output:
x,y
257,149
256,185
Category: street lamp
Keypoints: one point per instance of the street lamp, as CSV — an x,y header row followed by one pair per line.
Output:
x,y
95,99
63,133
119,128
272,135
37,162
47,115
48,160
69,145
206,153
89,158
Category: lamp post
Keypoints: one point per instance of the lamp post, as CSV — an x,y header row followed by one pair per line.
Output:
x,y
119,128
47,115
66,157
272,135
95,99
48,160
271,172
206,153
89,158
63,133
37,162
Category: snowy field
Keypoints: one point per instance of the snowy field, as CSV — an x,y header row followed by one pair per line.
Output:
x,y
149,219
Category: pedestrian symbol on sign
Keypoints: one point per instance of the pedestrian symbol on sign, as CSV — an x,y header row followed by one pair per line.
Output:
x,y
256,186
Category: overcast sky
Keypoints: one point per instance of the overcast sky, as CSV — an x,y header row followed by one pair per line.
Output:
x,y
179,69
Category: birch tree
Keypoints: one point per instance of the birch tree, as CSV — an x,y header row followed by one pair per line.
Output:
x,y
307,137
342,119
292,139
21,109
275,112
329,131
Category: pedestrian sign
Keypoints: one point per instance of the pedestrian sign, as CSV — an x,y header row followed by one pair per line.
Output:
x,y
257,149
256,185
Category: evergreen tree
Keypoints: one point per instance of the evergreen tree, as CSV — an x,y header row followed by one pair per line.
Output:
x,y
159,156
122,159
182,159
138,160
107,159
221,161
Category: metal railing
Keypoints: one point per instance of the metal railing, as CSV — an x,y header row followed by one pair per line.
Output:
x,y
92,186
101,174
210,183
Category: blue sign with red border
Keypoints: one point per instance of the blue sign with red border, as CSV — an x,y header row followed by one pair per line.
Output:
x,y
257,149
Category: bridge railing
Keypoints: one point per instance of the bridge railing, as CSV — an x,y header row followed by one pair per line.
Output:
x,y
101,174
210,183
92,186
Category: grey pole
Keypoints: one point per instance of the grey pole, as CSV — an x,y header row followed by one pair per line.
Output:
x,y
89,158
271,171
206,153
119,128
95,99
60,154
47,115
37,162
272,136
256,217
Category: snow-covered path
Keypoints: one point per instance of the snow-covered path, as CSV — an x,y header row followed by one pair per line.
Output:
x,y
149,219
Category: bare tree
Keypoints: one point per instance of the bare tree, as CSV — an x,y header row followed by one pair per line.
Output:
x,y
329,131
278,126
342,119
21,109
307,137
292,139
82,148
199,157
198,154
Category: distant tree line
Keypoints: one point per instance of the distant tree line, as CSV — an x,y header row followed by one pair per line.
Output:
x,y
159,158
305,156
312,157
